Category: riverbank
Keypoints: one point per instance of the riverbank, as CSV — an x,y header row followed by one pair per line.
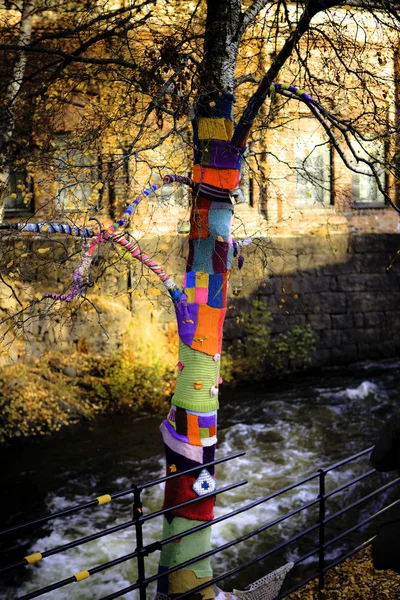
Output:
x,y
62,390
354,579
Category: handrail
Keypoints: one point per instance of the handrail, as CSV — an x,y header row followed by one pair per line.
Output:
x,y
142,551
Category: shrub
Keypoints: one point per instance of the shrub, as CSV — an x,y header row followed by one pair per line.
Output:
x,y
260,353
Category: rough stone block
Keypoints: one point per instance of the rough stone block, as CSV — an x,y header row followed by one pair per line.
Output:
x,y
359,282
361,336
332,302
375,243
358,319
374,319
338,268
371,263
343,321
345,354
330,338
365,302
319,321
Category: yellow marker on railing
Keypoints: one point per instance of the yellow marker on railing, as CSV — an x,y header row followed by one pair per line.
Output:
x,y
81,575
33,558
104,499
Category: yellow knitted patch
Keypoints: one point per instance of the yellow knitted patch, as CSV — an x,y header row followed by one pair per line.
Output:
x,y
215,129
201,280
191,294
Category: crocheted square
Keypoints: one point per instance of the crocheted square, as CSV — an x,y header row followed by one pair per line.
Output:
x,y
208,334
204,484
201,296
217,129
202,280
190,280
219,223
186,318
227,179
223,155
221,257
199,224
193,430
190,294
217,290
208,421
201,255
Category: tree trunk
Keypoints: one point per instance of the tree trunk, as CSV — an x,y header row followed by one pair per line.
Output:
x,y
7,122
190,429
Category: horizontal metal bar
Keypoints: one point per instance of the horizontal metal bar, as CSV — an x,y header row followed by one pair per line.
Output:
x,y
79,542
352,482
61,513
59,584
191,501
348,459
363,499
364,522
48,588
114,496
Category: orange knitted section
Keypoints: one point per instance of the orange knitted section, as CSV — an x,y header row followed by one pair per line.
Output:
x,y
208,335
227,179
193,430
199,224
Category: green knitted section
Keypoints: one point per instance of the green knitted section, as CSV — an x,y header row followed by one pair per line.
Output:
x,y
199,371
193,545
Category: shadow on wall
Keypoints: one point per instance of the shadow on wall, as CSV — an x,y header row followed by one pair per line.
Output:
x,y
346,288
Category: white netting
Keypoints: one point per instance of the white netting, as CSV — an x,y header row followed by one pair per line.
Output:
x,y
266,588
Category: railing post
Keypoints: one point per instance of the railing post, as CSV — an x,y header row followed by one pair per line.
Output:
x,y
321,531
137,512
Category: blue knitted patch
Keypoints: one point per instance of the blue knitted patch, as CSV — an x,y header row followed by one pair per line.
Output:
x,y
215,291
203,255
219,223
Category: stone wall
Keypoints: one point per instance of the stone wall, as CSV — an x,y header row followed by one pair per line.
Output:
x,y
346,287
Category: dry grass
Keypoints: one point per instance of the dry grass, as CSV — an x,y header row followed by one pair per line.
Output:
x,y
355,579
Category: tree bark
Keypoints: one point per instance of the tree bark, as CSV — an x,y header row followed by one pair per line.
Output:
x,y
7,121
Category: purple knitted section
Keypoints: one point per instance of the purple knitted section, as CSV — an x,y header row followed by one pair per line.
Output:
x,y
218,154
186,316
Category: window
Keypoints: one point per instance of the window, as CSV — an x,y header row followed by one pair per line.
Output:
x,y
364,187
19,201
77,176
312,165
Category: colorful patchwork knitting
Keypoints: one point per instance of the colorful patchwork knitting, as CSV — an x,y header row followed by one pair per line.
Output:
x,y
190,430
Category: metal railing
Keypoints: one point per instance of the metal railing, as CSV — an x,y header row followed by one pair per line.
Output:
x,y
142,551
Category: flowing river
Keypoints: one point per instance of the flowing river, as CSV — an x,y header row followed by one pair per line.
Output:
x,y
288,429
